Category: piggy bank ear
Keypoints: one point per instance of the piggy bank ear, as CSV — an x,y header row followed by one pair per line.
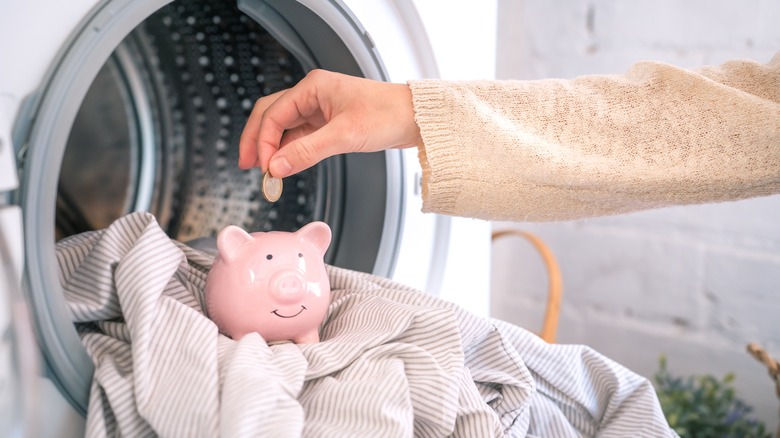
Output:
x,y
318,234
229,240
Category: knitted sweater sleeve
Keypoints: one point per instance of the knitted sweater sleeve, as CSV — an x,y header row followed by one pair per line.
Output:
x,y
598,145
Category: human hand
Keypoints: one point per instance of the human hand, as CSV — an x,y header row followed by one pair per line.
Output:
x,y
326,114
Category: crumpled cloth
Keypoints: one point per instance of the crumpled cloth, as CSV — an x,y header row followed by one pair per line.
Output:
x,y
393,361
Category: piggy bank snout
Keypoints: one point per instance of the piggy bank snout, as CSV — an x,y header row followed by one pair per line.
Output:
x,y
287,286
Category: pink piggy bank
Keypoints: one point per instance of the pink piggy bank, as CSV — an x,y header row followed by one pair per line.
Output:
x,y
271,283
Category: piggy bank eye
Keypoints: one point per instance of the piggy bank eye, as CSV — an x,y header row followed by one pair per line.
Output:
x,y
269,256
300,255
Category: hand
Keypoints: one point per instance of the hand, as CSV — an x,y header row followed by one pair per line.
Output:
x,y
326,114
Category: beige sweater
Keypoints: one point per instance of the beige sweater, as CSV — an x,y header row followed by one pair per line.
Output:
x,y
599,145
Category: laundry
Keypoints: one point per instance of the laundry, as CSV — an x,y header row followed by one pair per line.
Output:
x,y
392,361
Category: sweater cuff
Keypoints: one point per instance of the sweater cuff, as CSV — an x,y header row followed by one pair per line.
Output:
x,y
437,154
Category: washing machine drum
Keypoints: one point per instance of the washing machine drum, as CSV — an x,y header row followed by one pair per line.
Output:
x,y
145,113
158,130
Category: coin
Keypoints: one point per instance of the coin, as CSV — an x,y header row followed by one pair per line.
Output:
x,y
272,188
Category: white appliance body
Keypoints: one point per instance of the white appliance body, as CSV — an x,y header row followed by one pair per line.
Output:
x,y
56,50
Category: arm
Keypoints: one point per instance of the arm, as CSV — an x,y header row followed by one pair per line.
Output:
x,y
598,145
543,150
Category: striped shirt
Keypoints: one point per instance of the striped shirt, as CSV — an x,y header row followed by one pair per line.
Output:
x,y
392,361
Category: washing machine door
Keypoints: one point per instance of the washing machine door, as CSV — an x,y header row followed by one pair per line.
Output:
x,y
142,110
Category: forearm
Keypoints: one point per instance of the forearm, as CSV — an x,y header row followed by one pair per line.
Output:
x,y
598,145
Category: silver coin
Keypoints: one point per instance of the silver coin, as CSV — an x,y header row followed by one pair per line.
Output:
x,y
272,188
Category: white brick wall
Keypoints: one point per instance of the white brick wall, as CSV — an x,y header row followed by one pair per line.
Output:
x,y
695,283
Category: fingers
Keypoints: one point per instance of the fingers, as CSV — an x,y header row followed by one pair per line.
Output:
x,y
304,148
296,107
247,146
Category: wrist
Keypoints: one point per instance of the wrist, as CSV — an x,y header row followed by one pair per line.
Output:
x,y
411,131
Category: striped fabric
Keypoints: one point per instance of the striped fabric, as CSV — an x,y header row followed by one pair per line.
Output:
x,y
392,361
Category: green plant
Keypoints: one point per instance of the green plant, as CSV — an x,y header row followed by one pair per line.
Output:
x,y
703,406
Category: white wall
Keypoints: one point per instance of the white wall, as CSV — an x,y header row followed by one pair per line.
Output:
x,y
463,40
694,283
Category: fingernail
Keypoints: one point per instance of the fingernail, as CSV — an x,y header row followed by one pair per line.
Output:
x,y
280,167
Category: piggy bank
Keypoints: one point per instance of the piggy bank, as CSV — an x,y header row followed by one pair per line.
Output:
x,y
272,283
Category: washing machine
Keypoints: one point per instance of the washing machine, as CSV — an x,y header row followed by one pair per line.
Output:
x,y
114,106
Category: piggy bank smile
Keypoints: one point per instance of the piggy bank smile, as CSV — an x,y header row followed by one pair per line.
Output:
x,y
276,312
